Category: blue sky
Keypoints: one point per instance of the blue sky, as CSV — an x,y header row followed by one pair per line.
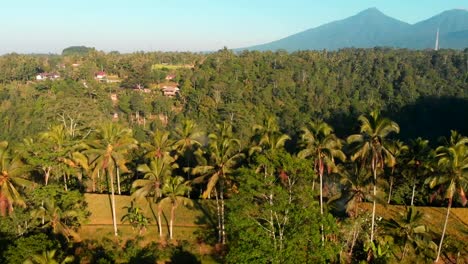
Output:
x,y
48,26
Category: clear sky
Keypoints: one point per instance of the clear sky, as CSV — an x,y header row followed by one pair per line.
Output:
x,y
49,26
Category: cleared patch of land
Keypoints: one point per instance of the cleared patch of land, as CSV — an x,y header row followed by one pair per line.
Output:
x,y
160,66
190,220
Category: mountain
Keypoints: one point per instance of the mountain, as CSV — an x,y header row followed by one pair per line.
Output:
x,y
371,28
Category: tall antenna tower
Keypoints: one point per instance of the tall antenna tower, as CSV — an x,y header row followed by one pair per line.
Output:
x,y
437,40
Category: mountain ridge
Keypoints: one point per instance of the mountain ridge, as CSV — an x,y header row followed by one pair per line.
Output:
x,y
371,28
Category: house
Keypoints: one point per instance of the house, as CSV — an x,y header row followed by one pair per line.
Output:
x,y
47,76
170,90
100,76
170,77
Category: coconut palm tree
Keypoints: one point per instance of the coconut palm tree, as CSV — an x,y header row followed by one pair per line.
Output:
x,y
108,152
453,177
408,232
323,147
370,148
188,139
54,217
224,153
12,176
151,185
419,164
174,189
160,145
357,184
267,136
398,149
48,257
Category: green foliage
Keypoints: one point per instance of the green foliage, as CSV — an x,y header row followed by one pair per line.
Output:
x,y
27,246
76,50
135,217
273,215
72,200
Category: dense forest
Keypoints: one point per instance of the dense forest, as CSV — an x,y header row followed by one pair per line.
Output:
x,y
288,148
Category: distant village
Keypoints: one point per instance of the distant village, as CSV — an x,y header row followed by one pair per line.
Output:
x,y
169,88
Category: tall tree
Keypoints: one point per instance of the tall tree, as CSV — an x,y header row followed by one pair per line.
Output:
x,y
160,145
419,164
187,139
397,148
108,151
155,174
12,176
224,154
370,148
323,147
267,136
453,165
175,188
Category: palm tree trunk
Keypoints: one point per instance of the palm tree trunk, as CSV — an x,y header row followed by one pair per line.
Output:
x,y
218,210
414,191
171,224
374,171
99,180
443,231
390,191
47,175
118,181
114,217
223,230
159,221
65,182
321,198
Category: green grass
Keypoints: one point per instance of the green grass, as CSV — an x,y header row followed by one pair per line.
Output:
x,y
188,219
201,218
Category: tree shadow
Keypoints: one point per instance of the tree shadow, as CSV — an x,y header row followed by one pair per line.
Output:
x,y
428,117
432,117
183,257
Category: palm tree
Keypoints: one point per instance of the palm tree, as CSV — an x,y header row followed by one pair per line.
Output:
x,y
420,157
267,136
12,172
323,146
154,176
397,148
54,217
224,153
370,148
453,165
175,188
408,231
357,182
108,151
188,139
48,257
161,145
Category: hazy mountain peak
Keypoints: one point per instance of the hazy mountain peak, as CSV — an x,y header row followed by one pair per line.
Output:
x,y
371,28
370,11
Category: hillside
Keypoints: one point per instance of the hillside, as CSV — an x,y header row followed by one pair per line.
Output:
x,y
371,28
198,216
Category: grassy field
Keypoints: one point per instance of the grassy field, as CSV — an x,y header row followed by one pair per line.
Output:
x,y
188,219
433,217
200,218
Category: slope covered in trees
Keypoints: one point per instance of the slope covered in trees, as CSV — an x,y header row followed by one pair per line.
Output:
x,y
286,147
